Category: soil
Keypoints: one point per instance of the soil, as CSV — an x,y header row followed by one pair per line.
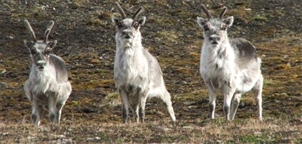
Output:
x,y
86,42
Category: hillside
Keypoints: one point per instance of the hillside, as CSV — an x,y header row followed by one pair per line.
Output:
x,y
86,42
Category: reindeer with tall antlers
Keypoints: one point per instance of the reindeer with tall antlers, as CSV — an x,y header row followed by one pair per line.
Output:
x,y
48,79
229,65
137,73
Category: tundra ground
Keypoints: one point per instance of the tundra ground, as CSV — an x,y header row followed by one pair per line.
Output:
x,y
92,114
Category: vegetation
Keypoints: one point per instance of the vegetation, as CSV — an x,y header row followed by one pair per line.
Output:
x,y
92,114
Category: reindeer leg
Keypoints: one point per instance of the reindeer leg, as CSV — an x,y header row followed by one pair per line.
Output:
x,y
142,105
35,111
228,95
212,102
235,104
125,105
166,97
59,111
136,112
26,87
52,108
257,90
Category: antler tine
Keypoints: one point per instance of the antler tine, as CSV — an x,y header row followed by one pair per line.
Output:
x,y
47,32
139,11
121,10
30,29
223,12
204,8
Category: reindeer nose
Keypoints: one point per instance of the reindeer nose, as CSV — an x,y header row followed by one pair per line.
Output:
x,y
41,63
214,39
127,34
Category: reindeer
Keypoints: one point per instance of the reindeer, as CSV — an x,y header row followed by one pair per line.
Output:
x,y
48,79
137,73
229,65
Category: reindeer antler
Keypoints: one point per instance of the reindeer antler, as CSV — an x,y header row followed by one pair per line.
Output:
x,y
120,9
48,29
223,12
204,8
30,29
139,11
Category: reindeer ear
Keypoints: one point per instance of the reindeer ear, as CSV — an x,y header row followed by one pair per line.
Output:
x,y
115,20
52,44
201,21
28,44
142,21
229,21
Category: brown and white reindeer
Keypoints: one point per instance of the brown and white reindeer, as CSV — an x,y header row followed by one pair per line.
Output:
x,y
48,79
229,65
137,74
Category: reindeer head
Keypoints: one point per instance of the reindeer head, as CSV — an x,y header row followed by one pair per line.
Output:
x,y
128,28
215,29
39,49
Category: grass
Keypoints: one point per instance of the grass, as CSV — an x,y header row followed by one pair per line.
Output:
x,y
93,112
271,130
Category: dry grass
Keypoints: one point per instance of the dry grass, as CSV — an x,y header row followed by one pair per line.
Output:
x,y
93,112
271,130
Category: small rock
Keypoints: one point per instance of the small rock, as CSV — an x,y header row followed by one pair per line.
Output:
x,y
3,84
241,104
283,94
2,71
188,102
188,127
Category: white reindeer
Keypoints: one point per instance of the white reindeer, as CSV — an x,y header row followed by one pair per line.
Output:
x,y
48,79
228,65
137,73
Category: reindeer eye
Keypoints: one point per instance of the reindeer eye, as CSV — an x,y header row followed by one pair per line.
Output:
x,y
47,51
206,27
119,25
33,51
135,25
223,27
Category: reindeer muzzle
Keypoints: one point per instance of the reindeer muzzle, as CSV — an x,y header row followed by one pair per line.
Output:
x,y
41,64
127,34
214,39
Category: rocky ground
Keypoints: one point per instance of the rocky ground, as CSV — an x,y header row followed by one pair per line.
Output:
x,y
85,37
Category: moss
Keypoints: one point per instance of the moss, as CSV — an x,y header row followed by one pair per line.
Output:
x,y
95,22
190,23
279,13
195,54
184,70
104,16
283,66
94,61
259,18
161,2
295,76
16,15
114,95
268,82
171,36
79,3
240,12
93,84
248,98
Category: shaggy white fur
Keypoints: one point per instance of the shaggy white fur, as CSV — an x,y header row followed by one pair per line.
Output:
x,y
48,79
137,73
228,65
